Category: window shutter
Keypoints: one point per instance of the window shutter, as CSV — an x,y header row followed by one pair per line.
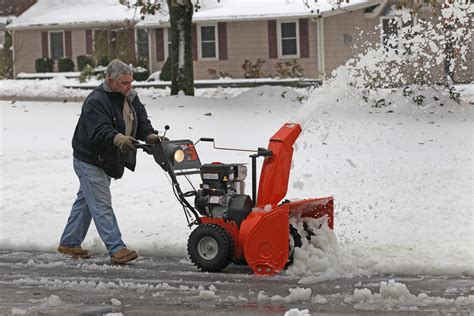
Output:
x,y
304,38
195,43
68,44
160,45
222,34
44,44
89,42
131,35
272,39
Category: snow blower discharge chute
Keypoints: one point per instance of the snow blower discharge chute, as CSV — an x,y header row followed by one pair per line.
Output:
x,y
233,226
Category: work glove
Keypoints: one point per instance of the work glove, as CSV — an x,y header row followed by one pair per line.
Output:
x,y
125,143
155,138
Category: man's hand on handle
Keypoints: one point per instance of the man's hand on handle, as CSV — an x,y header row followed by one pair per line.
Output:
x,y
126,144
155,138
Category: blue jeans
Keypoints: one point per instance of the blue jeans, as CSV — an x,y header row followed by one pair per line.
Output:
x,y
93,201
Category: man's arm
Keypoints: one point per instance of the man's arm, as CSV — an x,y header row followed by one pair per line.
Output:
x,y
99,124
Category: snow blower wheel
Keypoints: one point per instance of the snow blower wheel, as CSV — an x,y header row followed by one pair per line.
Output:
x,y
294,241
210,247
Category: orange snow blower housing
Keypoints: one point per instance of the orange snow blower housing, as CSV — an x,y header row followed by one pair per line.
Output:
x,y
231,226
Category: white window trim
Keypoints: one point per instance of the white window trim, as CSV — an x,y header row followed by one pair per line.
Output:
x,y
199,42
49,43
166,42
279,39
387,17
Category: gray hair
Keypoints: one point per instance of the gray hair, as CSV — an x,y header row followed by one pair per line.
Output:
x,y
116,68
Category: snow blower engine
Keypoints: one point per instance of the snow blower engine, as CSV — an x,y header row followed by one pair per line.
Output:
x,y
230,225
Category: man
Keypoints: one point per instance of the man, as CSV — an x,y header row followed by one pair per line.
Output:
x,y
111,120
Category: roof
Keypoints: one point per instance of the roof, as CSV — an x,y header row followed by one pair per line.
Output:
x,y
241,10
76,13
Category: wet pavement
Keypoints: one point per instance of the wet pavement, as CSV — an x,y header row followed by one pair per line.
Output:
x,y
54,284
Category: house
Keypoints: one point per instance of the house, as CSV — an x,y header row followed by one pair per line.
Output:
x,y
314,37
320,36
65,28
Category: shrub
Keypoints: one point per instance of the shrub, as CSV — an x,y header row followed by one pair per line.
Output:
x,y
83,61
65,64
253,70
86,73
289,69
103,61
140,73
165,74
44,65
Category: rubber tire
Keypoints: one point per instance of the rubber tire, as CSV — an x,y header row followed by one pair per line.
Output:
x,y
297,243
225,247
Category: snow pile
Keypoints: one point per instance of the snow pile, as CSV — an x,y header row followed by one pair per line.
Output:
x,y
115,302
297,312
396,296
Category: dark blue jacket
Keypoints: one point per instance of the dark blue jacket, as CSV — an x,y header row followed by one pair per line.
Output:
x,y
100,120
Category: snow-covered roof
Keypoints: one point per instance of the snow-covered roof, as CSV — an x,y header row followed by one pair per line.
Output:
x,y
227,10
77,13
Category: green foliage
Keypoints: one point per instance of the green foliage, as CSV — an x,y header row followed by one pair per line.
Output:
x,y
454,95
83,61
165,74
86,73
103,61
44,65
65,64
289,69
140,73
253,70
407,91
418,99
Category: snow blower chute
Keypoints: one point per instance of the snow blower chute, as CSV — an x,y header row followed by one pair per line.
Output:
x,y
233,226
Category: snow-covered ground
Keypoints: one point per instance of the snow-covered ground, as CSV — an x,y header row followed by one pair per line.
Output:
x,y
401,175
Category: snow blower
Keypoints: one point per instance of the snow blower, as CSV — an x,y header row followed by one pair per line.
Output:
x,y
233,226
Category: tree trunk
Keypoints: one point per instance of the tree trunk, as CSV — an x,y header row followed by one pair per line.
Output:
x,y
182,75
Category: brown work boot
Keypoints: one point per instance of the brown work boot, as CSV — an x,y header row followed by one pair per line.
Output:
x,y
75,251
123,256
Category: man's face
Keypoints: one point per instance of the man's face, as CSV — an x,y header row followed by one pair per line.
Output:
x,y
122,84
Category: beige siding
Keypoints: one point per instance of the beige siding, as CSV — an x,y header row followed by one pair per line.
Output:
x,y
352,25
78,39
247,40
27,48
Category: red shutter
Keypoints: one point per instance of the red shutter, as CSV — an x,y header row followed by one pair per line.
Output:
x,y
272,39
160,45
68,44
89,42
195,43
44,44
304,38
222,34
132,53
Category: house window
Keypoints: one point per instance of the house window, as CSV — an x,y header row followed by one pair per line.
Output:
x,y
56,45
142,44
288,39
390,32
208,40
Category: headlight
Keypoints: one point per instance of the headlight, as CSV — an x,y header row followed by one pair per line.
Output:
x,y
178,155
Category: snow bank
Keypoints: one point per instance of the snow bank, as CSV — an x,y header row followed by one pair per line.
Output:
x,y
396,296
